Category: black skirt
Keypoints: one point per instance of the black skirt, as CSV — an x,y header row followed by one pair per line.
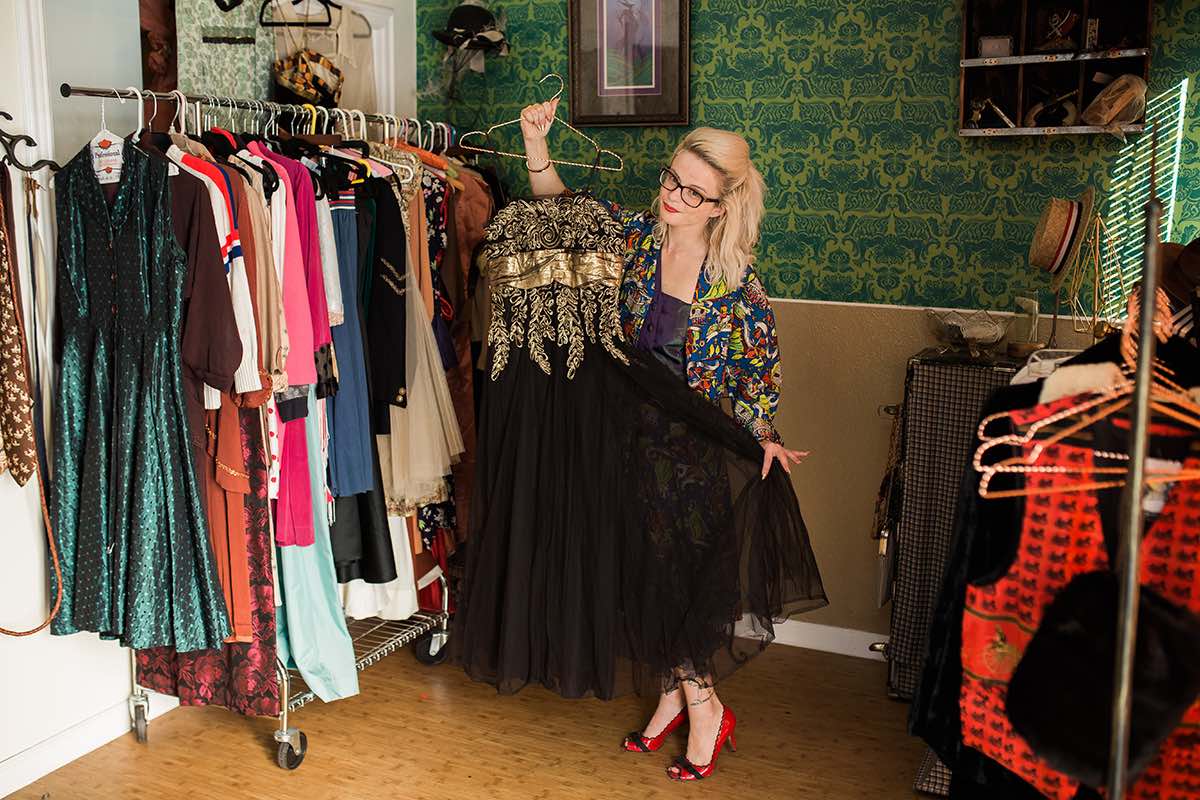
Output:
x,y
622,536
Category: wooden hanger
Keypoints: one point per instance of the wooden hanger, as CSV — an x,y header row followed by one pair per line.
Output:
x,y
600,152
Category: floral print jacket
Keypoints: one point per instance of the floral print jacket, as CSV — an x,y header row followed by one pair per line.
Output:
x,y
732,348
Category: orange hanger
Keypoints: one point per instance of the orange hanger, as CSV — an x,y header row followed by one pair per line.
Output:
x,y
1167,398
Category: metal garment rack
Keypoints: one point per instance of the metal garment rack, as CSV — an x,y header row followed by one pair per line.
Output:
x,y
1129,544
373,638
296,112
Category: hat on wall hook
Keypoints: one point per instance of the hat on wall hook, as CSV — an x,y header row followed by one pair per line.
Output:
x,y
472,33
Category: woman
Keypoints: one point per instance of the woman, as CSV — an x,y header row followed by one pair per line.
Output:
x,y
689,293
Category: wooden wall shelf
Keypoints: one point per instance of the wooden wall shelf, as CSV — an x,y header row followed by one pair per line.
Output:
x,y
1033,74
1048,131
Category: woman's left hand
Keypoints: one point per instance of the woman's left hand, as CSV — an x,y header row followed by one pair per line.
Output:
x,y
785,457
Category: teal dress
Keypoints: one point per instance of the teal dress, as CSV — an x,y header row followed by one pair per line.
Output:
x,y
137,563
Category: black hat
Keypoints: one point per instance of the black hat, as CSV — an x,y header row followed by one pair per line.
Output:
x,y
470,25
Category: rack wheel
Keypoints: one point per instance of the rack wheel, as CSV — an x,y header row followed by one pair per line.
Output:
x,y
287,757
423,650
139,724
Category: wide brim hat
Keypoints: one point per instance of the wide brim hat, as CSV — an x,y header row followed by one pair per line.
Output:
x,y
1060,233
470,25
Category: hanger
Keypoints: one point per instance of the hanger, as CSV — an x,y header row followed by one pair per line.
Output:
x,y
1167,397
304,23
370,31
600,152
180,111
229,148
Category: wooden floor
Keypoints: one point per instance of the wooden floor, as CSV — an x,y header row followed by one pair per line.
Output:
x,y
810,725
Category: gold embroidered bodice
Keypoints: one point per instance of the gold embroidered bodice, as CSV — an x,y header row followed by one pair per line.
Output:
x,y
554,268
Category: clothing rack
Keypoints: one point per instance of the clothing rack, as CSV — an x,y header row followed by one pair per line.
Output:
x,y
373,638
1131,530
296,112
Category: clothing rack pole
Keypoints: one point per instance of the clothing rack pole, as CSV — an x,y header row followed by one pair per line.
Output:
x,y
68,90
1129,544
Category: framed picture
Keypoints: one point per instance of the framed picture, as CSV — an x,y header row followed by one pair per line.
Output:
x,y
629,62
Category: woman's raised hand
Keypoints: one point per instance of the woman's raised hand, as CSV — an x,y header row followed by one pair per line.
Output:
x,y
536,120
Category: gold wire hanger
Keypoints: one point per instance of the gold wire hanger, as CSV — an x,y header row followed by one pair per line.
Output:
x,y
600,151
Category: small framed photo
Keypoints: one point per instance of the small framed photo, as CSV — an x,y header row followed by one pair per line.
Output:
x,y
629,62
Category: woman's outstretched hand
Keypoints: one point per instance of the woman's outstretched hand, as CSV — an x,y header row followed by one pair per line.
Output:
x,y
785,457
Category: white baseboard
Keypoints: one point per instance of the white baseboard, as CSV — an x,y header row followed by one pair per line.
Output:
x,y
62,748
828,639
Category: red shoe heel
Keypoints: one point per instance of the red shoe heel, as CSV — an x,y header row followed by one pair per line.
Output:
x,y
685,770
635,742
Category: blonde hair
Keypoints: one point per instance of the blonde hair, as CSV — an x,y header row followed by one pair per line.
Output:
x,y
732,235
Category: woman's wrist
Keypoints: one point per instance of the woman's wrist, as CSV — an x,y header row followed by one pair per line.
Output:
x,y
537,155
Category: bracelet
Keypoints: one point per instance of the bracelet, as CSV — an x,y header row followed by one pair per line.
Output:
x,y
542,169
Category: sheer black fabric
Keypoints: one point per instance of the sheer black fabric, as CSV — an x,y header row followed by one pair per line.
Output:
x,y
621,529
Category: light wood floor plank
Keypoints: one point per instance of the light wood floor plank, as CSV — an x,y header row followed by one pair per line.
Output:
x,y
810,725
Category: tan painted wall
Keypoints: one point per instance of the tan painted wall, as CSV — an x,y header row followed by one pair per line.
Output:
x,y
841,362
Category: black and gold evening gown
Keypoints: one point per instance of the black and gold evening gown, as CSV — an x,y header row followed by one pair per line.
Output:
x,y
622,535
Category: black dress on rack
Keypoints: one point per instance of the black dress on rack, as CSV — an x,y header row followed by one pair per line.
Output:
x,y
622,536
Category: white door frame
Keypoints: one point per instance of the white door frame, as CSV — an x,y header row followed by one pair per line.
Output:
x,y
394,23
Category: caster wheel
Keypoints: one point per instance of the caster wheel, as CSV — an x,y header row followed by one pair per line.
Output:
x,y
289,758
139,724
423,648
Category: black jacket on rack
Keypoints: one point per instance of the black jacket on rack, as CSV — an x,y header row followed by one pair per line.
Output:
x,y
987,535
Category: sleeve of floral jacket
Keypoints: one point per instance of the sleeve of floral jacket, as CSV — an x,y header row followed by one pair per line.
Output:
x,y
753,371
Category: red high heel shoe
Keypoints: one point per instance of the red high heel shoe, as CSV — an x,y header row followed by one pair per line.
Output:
x,y
685,770
635,742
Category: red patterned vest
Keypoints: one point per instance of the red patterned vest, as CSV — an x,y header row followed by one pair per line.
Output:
x,y
1062,538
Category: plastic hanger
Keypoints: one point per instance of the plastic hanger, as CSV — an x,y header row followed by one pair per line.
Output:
x,y
600,152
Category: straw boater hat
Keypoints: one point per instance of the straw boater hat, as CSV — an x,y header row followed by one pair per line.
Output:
x,y
1060,233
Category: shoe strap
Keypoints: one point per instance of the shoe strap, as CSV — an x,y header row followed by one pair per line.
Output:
x,y
636,737
683,764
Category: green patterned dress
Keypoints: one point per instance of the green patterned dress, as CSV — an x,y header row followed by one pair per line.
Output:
x,y
137,564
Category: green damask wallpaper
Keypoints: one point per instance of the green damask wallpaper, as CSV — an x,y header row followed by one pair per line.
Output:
x,y
851,108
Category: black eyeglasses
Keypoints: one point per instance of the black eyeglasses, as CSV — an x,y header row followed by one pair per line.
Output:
x,y
690,194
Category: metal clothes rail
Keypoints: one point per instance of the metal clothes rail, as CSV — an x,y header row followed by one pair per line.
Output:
x,y
1132,523
373,638
296,112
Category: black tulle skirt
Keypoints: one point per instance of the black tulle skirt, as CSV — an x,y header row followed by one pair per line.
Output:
x,y
622,536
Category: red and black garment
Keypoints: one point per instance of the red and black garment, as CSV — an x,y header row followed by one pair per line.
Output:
x,y
1062,537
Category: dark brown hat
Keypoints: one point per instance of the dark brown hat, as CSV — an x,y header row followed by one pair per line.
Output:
x,y
1179,268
